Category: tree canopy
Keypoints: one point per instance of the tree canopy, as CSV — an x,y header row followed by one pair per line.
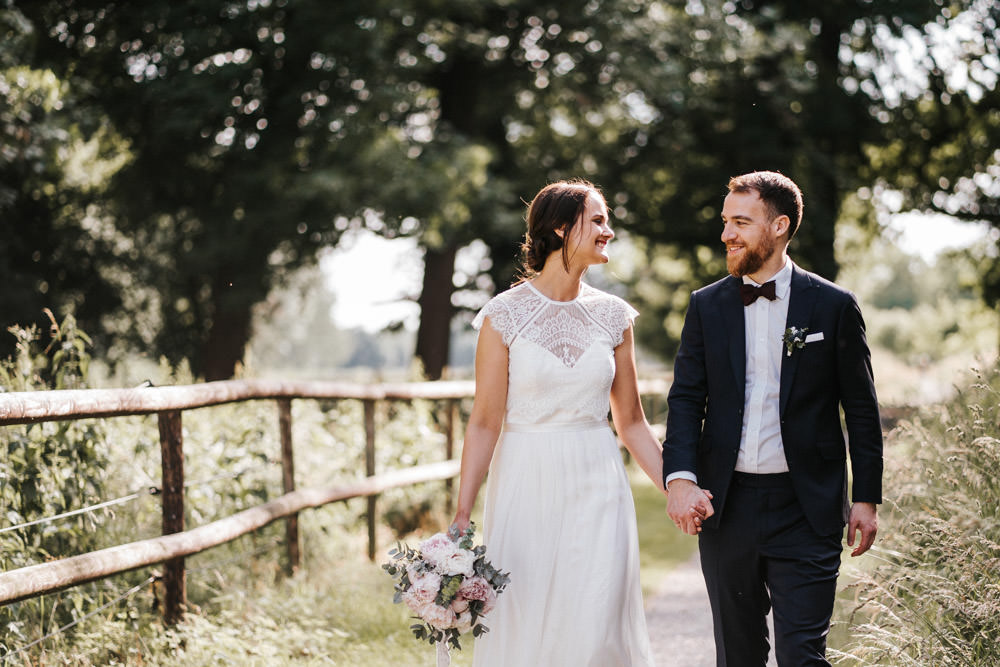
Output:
x,y
166,164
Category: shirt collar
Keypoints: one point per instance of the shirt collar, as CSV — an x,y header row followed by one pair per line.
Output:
x,y
782,279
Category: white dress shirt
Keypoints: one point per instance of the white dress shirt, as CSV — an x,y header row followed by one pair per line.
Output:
x,y
761,449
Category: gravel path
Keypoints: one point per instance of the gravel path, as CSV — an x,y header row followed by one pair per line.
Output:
x,y
680,620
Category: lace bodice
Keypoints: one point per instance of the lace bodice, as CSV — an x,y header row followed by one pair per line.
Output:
x,y
561,353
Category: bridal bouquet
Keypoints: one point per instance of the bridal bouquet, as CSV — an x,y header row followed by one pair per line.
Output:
x,y
447,583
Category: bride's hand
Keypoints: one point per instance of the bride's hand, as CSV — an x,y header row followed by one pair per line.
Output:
x,y
704,506
461,522
687,505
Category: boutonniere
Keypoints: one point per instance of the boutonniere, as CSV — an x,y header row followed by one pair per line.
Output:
x,y
794,339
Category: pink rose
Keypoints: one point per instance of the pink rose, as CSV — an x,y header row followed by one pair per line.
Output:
x,y
464,622
437,549
435,542
477,588
446,556
423,589
439,617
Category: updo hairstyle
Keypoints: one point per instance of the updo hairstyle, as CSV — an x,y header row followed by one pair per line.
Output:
x,y
556,206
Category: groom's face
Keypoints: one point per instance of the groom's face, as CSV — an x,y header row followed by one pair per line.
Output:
x,y
749,236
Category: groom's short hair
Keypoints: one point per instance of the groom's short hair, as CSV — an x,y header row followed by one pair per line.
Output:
x,y
778,192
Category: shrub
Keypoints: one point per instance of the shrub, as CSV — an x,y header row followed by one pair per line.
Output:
x,y
48,468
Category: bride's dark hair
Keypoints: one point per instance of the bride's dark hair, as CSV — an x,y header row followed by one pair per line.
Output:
x,y
556,206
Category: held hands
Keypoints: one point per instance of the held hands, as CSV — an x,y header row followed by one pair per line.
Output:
x,y
863,517
688,505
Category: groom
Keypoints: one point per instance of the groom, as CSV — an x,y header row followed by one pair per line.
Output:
x,y
769,356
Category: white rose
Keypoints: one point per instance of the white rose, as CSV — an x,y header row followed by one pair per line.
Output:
x,y
460,562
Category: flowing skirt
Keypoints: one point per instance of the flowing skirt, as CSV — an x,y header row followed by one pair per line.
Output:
x,y
559,517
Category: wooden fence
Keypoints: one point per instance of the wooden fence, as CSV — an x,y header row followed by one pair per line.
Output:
x,y
168,403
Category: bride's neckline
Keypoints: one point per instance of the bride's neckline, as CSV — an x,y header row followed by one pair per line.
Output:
x,y
537,291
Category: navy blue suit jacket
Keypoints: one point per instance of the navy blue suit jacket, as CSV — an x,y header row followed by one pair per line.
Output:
x,y
706,399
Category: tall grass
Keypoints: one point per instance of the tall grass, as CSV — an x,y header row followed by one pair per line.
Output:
x,y
934,596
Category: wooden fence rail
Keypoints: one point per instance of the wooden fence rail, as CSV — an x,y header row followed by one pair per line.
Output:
x,y
44,578
37,406
168,403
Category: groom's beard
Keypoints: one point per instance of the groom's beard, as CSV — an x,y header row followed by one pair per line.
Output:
x,y
752,258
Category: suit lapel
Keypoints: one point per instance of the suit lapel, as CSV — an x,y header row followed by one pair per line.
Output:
x,y
801,299
731,305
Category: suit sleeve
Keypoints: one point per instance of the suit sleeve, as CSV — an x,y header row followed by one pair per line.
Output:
x,y
687,397
860,405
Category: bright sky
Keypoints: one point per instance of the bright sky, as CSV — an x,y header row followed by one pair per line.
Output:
x,y
927,235
371,277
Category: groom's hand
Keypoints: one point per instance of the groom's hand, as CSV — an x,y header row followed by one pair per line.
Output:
x,y
863,517
687,505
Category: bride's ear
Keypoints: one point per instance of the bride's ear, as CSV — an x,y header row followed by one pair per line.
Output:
x,y
560,231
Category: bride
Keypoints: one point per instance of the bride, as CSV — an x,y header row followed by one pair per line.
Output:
x,y
553,353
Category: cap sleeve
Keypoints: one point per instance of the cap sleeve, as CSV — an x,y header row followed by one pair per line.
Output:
x,y
486,311
500,318
622,316
611,313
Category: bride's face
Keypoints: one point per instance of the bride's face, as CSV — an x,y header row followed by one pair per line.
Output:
x,y
588,241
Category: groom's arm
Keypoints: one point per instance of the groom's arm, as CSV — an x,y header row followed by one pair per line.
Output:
x,y
860,405
686,400
685,415
864,430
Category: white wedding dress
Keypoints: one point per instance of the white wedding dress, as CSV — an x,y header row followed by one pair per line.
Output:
x,y
559,514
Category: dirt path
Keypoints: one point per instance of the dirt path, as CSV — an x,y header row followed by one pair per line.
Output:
x,y
680,620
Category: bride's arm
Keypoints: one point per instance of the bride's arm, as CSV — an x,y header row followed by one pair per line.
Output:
x,y
635,431
486,419
630,420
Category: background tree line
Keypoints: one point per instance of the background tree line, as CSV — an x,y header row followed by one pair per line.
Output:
x,y
165,165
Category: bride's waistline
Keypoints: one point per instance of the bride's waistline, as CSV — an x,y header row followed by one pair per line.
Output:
x,y
556,427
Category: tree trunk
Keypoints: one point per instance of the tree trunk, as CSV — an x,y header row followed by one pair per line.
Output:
x,y
824,200
227,338
436,310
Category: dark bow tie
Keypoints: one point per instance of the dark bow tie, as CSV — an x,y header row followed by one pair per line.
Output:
x,y
751,292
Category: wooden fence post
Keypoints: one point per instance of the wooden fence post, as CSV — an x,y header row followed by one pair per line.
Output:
x,y
370,470
288,483
172,482
449,450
